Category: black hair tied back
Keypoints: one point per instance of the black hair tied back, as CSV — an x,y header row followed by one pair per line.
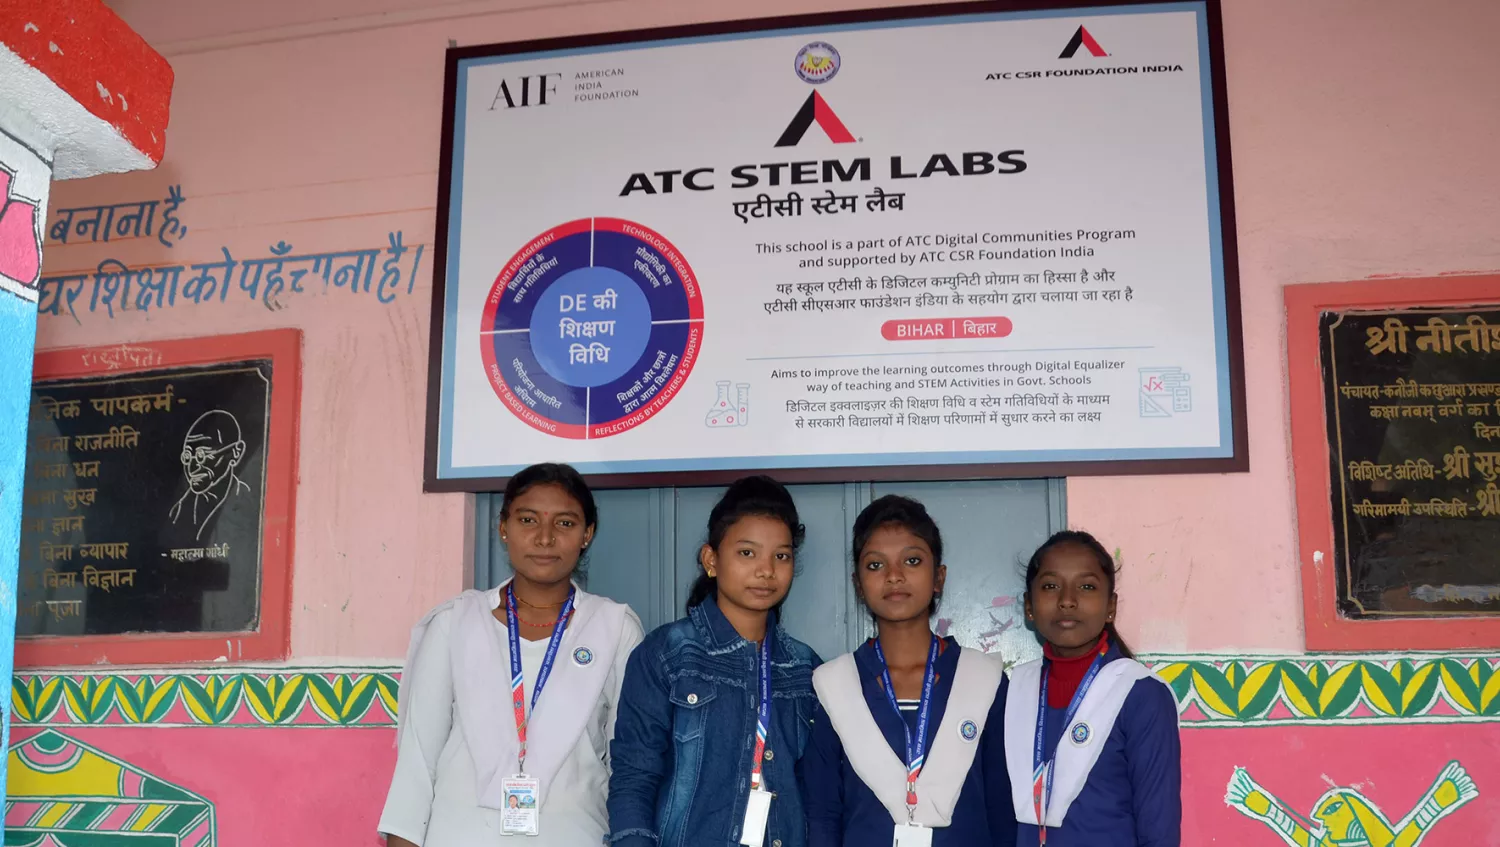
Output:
x,y
550,473
1106,564
757,496
904,512
895,510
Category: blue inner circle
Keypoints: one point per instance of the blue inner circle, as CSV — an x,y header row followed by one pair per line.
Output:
x,y
590,327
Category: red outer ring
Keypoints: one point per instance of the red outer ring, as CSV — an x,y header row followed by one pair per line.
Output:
x,y
604,429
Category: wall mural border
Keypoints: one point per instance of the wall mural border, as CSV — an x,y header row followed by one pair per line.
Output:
x,y
1211,691
1345,690
238,697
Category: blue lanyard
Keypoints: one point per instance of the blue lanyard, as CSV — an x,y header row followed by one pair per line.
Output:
x,y
1042,770
517,678
763,718
916,753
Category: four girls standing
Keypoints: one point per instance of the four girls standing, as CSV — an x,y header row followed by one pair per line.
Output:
x,y
722,729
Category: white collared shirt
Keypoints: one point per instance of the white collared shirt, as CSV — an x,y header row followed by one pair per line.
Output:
x,y
433,800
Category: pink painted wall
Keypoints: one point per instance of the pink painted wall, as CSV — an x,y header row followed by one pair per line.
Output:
x,y
347,773
1363,145
1363,136
335,779
1391,767
1361,133
317,742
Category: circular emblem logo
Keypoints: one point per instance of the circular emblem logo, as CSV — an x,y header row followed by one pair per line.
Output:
x,y
968,730
1080,733
817,62
583,656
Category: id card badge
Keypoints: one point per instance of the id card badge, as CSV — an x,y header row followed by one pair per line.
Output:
x,y
913,835
522,812
757,817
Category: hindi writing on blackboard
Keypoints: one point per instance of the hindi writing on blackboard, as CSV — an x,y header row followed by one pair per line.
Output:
x,y
144,502
1413,410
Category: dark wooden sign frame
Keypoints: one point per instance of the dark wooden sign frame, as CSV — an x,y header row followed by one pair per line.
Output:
x,y
271,640
1325,628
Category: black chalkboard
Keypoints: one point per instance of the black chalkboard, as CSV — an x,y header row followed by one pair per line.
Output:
x,y
145,502
1412,399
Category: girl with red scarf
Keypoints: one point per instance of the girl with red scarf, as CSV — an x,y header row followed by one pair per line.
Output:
x,y
1090,734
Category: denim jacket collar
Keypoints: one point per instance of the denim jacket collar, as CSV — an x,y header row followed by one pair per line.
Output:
x,y
720,634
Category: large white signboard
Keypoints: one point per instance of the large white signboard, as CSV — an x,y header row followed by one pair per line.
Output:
x,y
971,245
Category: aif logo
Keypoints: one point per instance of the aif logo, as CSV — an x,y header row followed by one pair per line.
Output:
x,y
815,110
1081,38
527,91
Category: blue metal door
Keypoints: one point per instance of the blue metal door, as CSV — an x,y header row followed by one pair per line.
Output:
x,y
646,555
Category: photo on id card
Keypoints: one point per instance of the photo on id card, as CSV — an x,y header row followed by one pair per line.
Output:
x,y
520,814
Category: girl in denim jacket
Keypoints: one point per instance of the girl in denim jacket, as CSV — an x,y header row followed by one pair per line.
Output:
x,y
696,758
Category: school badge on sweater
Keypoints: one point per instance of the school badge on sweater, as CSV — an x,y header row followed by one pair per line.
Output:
x,y
1080,734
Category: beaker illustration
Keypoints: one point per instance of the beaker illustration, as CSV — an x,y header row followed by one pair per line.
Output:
x,y
742,402
723,413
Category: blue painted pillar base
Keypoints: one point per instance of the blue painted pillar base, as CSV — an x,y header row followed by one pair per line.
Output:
x,y
17,340
25,183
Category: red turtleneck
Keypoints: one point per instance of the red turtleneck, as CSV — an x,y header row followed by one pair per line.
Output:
x,y
1064,675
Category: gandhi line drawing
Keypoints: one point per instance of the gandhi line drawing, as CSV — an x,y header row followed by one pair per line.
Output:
x,y
211,451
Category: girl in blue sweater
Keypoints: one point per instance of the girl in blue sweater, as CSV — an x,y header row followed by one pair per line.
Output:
x,y
907,742
1090,733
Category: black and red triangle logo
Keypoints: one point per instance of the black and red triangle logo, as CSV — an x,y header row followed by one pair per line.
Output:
x,y
815,110
1081,38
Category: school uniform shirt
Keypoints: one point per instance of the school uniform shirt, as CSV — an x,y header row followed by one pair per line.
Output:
x,y
456,736
843,811
1131,794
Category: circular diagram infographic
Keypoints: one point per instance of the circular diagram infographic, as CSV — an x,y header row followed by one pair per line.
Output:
x,y
591,328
